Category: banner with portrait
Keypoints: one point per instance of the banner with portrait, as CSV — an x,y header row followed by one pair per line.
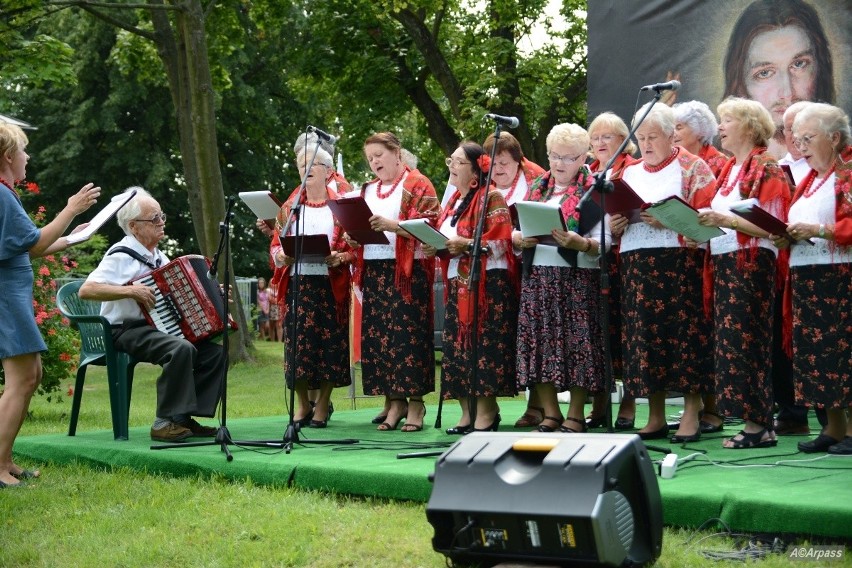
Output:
x,y
774,51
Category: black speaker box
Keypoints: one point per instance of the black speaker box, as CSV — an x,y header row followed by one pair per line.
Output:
x,y
546,498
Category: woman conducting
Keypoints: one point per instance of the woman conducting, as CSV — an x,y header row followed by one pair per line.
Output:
x,y
21,343
560,341
397,338
820,274
322,327
746,272
666,338
497,295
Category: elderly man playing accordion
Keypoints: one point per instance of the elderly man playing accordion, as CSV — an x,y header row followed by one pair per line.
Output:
x,y
191,381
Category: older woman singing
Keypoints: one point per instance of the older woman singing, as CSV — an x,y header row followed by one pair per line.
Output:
x,y
397,340
695,129
666,336
746,272
820,274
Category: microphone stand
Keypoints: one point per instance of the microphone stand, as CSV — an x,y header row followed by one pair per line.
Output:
x,y
603,186
223,437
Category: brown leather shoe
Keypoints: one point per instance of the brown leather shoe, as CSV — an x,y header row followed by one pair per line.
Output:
x,y
171,432
197,429
787,428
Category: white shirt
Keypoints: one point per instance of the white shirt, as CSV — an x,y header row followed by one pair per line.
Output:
x,y
799,168
818,208
651,187
119,269
387,207
727,243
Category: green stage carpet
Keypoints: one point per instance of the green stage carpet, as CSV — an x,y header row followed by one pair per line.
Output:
x,y
773,490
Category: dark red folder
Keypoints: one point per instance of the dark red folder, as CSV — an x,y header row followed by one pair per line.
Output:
x,y
622,201
315,248
354,214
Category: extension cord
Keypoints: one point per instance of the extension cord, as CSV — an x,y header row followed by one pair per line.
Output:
x,y
669,466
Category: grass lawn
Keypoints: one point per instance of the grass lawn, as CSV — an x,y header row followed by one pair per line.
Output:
x,y
79,516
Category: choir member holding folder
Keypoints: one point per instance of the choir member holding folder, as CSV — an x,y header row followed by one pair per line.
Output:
x,y
322,343
746,271
397,338
667,341
560,341
820,274
497,294
607,131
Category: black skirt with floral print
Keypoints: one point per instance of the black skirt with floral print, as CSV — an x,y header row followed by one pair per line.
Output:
x,y
322,340
496,343
666,338
397,336
822,334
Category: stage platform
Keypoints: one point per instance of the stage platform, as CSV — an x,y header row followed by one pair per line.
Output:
x,y
771,490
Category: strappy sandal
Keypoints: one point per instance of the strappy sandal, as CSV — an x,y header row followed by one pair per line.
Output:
x,y
542,427
748,441
527,420
409,427
570,430
387,426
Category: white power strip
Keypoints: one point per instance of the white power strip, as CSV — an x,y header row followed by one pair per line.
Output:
x,y
669,466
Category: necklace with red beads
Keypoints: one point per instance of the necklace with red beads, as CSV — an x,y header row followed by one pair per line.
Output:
x,y
381,195
729,187
662,165
809,188
514,185
11,186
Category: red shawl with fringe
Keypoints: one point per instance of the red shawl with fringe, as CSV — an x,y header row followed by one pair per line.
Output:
x,y
714,158
339,276
419,201
622,161
496,232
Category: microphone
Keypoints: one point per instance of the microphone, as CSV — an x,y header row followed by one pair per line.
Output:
x,y
657,87
323,134
510,121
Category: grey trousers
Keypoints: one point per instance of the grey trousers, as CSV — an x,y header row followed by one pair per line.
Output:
x,y
191,381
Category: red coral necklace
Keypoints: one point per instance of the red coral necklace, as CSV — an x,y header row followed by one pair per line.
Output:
x,y
381,195
661,165
809,189
11,186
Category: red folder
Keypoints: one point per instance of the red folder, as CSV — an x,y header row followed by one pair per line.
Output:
x,y
756,215
622,201
315,248
354,214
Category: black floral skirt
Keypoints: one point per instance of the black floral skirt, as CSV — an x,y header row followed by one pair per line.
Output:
x,y
496,342
322,341
397,336
822,334
666,338
560,340
744,310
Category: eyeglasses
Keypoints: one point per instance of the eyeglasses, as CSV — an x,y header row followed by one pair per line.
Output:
x,y
606,138
155,220
804,141
563,159
456,161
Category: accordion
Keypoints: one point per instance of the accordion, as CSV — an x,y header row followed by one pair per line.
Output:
x,y
188,303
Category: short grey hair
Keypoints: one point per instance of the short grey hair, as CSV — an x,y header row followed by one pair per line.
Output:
x,y
322,157
699,118
661,115
829,118
309,139
133,208
795,109
408,158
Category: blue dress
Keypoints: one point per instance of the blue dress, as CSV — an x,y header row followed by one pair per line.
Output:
x,y
19,333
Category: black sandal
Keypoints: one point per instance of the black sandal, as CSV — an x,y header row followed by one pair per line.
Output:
x,y
569,430
527,420
544,428
748,441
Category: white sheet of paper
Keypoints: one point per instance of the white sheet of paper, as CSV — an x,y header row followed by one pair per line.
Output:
x,y
682,219
425,233
101,218
538,219
262,203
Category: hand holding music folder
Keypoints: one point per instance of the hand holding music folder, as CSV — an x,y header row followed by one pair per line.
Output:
x,y
622,201
679,216
421,230
354,214
538,220
101,218
263,204
315,248
750,210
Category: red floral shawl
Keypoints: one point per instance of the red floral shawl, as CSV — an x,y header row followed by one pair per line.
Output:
x,y
713,157
496,232
419,201
339,276
622,161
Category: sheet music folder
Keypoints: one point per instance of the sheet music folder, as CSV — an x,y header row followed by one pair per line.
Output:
x,y
263,204
622,201
101,218
315,248
354,214
750,210
679,216
421,230
537,220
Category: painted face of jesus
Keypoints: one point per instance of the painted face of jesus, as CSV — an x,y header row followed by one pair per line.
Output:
x,y
781,69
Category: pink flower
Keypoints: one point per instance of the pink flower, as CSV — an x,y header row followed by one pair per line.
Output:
x,y
44,271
